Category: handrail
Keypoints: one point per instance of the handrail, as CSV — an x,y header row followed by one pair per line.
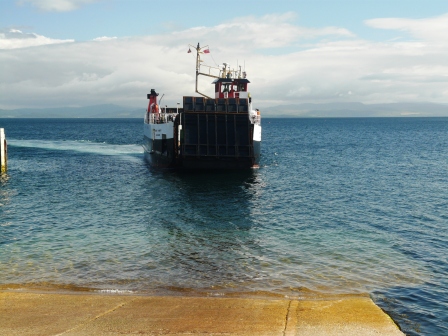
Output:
x,y
161,118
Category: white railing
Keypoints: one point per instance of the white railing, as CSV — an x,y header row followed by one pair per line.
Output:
x,y
160,118
255,118
163,118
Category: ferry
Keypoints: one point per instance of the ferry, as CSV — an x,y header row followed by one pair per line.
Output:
x,y
205,133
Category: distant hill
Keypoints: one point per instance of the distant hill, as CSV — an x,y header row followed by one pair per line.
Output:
x,y
306,110
327,110
97,111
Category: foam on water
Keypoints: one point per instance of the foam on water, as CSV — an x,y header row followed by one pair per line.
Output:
x,y
114,291
81,146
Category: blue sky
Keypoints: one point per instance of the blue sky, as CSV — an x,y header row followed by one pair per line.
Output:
x,y
86,52
90,19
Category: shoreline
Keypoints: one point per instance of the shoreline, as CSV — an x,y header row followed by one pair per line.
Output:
x,y
32,312
302,293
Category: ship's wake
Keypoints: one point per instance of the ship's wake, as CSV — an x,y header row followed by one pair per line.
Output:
x,y
80,146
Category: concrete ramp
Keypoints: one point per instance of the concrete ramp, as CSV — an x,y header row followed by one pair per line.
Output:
x,y
23,313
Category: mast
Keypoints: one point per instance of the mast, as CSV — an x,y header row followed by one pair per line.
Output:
x,y
198,60
200,51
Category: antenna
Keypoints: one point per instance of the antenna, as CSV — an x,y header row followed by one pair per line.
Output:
x,y
199,51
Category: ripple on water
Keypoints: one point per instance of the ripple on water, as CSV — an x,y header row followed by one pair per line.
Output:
x,y
340,206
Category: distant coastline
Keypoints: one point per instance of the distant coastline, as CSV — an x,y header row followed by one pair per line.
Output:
x,y
305,110
349,110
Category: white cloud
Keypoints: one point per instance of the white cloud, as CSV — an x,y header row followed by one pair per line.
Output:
x,y
104,38
431,29
286,64
14,39
270,31
56,5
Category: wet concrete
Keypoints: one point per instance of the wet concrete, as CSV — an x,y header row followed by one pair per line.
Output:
x,y
27,313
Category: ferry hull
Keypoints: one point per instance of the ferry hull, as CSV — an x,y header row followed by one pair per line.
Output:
x,y
168,159
157,158
222,163
195,140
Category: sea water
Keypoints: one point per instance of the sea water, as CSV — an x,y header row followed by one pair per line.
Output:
x,y
338,206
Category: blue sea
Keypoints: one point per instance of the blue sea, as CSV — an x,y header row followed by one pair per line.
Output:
x,y
338,206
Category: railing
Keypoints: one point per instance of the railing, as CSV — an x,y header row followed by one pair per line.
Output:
x,y
255,119
160,118
163,118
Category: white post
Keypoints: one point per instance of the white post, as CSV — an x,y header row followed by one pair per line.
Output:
x,y
3,151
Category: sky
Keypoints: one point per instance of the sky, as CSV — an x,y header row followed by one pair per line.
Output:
x,y
56,53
